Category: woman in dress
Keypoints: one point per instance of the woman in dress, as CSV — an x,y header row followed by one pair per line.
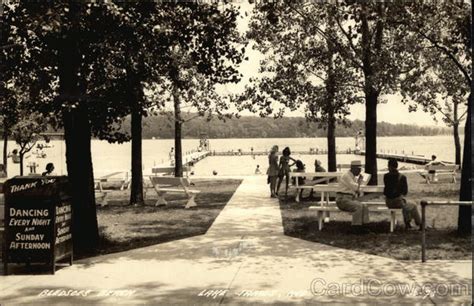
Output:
x,y
273,170
284,169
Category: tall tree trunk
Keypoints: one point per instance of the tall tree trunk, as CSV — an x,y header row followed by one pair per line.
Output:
x,y
331,138
77,135
371,136
331,94
5,148
465,194
136,191
457,143
178,164
22,155
371,93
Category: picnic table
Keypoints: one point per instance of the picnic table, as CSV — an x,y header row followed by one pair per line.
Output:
x,y
121,177
325,187
324,179
326,206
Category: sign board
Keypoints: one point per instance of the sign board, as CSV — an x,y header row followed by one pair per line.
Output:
x,y
38,220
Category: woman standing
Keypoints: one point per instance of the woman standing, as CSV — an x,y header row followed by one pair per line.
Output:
x,y
284,169
273,170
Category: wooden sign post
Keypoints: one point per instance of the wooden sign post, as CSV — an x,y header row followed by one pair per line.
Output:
x,y
38,221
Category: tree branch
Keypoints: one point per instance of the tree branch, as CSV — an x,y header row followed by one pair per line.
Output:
x,y
450,55
462,116
326,36
435,105
349,39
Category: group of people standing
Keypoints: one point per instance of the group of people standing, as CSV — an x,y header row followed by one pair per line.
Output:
x,y
279,169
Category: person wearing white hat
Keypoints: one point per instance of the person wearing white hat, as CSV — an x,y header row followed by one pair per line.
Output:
x,y
349,189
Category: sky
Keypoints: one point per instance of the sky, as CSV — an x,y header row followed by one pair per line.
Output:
x,y
393,111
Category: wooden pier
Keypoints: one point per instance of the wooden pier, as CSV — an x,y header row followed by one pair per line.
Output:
x,y
265,153
406,158
189,159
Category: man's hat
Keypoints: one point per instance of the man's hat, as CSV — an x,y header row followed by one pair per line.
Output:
x,y
356,164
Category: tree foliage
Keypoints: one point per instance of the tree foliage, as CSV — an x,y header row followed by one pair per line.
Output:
x,y
359,34
26,132
440,82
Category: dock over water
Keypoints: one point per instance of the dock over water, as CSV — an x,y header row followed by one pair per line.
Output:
x,y
189,160
264,153
406,158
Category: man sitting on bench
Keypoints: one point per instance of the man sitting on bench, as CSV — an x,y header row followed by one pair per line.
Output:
x,y
432,172
395,190
349,190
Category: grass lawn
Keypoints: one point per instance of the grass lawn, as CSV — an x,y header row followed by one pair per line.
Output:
x,y
375,238
123,227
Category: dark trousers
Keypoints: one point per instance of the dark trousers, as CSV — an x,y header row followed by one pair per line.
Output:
x,y
409,209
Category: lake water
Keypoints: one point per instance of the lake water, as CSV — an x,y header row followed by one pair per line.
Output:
x,y
108,158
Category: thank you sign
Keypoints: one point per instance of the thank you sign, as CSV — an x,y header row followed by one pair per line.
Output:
x,y
38,220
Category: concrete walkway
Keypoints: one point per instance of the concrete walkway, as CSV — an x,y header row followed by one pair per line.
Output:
x,y
243,258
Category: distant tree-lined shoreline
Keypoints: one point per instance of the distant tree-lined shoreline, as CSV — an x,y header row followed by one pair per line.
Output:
x,y
255,127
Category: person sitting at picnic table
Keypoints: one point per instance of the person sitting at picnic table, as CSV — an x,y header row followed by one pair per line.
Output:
x,y
15,156
349,189
317,179
49,170
318,167
395,190
284,169
300,167
432,172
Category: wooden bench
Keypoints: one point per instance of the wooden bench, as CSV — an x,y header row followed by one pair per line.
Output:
x,y
168,170
164,185
442,169
373,206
